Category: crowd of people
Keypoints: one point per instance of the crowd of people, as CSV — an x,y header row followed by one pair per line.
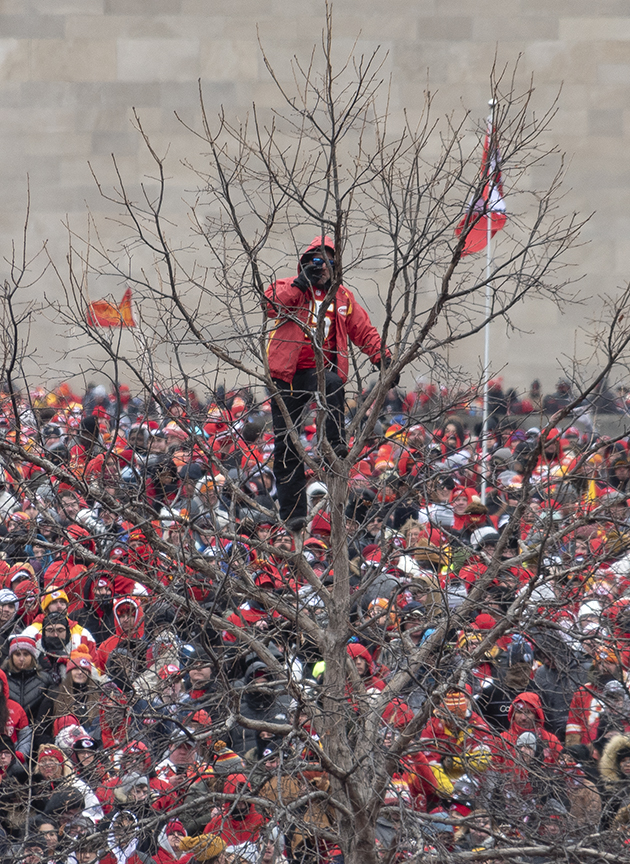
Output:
x,y
135,728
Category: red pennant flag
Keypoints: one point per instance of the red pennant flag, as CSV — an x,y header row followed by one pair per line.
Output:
x,y
490,204
102,313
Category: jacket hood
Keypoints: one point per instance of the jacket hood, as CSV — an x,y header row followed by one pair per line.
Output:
x,y
533,701
315,247
138,627
609,763
231,787
354,650
252,670
163,843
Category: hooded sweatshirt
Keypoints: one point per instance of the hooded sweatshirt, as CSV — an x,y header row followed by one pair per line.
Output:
x,y
137,632
370,679
166,854
551,746
233,827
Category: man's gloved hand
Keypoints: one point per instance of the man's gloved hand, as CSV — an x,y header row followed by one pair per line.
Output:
x,y
384,364
310,274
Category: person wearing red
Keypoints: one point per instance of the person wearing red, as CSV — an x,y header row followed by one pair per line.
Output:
x,y
365,666
14,722
169,841
456,740
123,840
129,622
413,768
296,306
589,701
239,822
526,715
136,756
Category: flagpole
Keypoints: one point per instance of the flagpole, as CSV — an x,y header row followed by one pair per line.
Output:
x,y
486,352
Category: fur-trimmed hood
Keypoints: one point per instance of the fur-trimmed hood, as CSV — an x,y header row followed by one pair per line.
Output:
x,y
608,764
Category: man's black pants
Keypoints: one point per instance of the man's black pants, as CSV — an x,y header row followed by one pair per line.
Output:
x,y
287,465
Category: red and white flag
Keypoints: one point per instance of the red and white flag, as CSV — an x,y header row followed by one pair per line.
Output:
x,y
490,204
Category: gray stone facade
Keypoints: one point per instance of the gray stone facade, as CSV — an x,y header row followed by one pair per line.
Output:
x,y
72,70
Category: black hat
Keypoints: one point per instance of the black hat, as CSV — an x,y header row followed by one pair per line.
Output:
x,y
63,800
192,471
520,651
85,744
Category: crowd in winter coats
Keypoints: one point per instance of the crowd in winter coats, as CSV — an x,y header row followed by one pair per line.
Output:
x,y
138,724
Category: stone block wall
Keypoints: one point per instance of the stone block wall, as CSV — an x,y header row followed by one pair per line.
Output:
x,y
72,71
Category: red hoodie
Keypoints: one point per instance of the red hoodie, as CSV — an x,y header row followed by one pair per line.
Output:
x,y
231,829
370,679
552,747
106,647
17,718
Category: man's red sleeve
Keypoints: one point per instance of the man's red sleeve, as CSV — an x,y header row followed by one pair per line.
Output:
x,y
362,332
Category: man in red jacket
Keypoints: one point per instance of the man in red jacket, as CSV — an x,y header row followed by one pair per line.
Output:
x,y
296,305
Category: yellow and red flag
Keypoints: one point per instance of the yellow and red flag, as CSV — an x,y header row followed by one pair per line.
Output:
x,y
102,313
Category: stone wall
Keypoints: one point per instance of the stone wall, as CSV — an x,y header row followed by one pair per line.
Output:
x,y
71,71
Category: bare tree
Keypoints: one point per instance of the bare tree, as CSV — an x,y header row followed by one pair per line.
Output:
x,y
329,163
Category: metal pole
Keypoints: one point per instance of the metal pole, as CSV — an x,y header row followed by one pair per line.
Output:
x,y
486,329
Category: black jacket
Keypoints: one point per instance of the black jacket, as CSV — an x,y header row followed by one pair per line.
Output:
x,y
30,690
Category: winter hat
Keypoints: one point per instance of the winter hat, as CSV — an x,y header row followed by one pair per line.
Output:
x,y
272,750
456,704
131,780
22,643
7,596
80,659
64,722
173,826
244,853
55,594
201,717
607,653
66,799
226,761
321,523
484,621
52,753
526,739
85,743
520,651
503,454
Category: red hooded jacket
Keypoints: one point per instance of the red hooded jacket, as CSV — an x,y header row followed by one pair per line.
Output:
x,y
106,647
231,829
295,312
16,720
370,679
552,747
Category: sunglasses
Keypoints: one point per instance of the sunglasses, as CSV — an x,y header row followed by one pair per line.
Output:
x,y
319,262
